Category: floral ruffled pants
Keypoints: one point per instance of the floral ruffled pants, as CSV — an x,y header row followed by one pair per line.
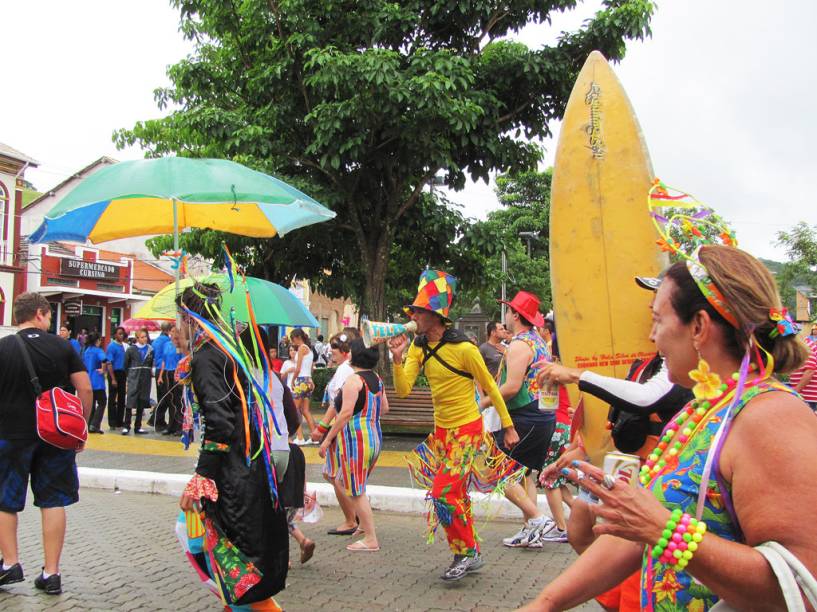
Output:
x,y
456,449
449,463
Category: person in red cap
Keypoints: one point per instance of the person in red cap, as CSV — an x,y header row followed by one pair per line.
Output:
x,y
450,458
520,390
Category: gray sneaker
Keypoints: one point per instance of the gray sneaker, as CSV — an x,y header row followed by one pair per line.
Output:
x,y
462,565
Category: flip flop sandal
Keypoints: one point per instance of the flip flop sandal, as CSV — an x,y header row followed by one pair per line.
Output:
x,y
359,546
342,532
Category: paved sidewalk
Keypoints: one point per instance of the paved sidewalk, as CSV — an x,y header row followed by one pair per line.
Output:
x,y
121,554
156,453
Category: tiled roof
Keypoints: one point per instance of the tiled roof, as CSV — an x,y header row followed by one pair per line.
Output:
x,y
104,160
15,154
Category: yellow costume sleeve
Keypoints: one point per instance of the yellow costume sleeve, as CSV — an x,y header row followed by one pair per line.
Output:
x,y
406,373
476,365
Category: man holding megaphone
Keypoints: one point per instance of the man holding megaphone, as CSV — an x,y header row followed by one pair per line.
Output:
x,y
450,458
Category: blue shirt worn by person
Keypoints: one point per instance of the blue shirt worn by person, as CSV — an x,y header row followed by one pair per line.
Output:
x,y
159,351
116,355
94,357
75,343
171,356
143,351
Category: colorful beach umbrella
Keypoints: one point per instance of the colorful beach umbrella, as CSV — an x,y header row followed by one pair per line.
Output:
x,y
159,196
273,304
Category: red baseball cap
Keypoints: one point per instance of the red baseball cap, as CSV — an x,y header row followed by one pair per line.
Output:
x,y
527,305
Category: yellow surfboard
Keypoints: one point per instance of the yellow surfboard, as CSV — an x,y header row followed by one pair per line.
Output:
x,y
601,237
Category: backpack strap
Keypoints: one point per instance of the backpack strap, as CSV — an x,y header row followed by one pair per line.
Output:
x,y
428,353
35,380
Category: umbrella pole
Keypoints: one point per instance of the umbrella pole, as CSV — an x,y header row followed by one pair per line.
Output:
x,y
176,249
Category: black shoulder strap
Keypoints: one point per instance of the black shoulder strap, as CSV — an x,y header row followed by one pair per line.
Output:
x,y
428,353
35,380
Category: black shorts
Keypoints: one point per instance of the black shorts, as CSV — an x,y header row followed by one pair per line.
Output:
x,y
53,471
535,430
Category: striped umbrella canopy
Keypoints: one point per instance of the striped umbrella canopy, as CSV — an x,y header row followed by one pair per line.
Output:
x,y
272,304
135,324
164,195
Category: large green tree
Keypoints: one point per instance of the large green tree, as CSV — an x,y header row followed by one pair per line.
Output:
x,y
524,199
362,103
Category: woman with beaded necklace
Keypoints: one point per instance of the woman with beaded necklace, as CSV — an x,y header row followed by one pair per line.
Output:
x,y
746,439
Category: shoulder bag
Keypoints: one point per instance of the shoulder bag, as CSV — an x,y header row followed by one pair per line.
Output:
x,y
60,421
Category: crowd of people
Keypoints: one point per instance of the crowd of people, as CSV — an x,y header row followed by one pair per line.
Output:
x,y
717,440
126,376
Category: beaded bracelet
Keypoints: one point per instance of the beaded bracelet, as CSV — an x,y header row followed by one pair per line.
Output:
x,y
322,427
679,540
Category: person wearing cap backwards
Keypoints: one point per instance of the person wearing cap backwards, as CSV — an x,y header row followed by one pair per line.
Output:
x,y
453,455
640,407
520,391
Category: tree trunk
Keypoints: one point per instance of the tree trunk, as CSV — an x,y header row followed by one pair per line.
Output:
x,y
375,266
375,261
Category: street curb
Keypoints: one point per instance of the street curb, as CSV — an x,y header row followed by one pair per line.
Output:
x,y
388,499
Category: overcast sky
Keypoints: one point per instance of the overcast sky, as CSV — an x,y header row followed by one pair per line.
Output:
x,y
723,90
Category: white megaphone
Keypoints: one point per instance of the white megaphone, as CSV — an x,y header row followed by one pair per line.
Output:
x,y
375,332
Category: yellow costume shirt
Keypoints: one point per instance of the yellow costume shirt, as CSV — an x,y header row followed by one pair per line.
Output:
x,y
452,395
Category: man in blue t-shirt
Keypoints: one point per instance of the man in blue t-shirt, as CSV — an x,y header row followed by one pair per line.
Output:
x,y
117,378
159,417
65,334
170,359
95,361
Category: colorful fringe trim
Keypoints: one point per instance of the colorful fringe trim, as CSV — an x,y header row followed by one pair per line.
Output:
x,y
491,472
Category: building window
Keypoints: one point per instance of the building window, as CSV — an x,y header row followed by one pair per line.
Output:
x,y
4,208
109,287
116,319
62,282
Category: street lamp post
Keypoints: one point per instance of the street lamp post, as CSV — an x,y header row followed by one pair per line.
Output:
x,y
528,237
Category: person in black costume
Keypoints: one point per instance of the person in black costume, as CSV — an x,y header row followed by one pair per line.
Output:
x,y
245,529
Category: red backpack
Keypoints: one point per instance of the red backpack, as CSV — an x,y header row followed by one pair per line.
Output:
x,y
60,421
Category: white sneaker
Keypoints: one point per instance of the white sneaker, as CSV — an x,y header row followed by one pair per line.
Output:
x,y
299,442
530,532
552,534
539,526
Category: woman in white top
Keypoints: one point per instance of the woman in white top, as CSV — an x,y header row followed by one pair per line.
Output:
x,y
302,385
341,353
288,368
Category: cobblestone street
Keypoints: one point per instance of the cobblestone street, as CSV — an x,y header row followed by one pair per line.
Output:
x,y
121,554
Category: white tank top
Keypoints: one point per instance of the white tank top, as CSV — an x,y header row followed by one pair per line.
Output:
x,y
306,364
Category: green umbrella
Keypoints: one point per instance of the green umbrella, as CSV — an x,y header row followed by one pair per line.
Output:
x,y
273,304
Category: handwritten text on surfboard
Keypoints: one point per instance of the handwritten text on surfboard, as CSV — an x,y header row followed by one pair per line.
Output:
x,y
593,99
596,361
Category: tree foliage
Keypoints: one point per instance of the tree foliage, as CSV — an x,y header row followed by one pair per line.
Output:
x,y
800,243
525,200
360,104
